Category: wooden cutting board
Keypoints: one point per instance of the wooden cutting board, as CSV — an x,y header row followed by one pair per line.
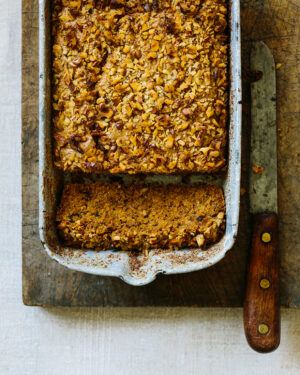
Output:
x,y
46,283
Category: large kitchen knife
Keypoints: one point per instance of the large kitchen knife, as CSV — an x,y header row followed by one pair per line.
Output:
x,y
262,300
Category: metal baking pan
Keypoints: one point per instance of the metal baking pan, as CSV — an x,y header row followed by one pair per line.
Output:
x,y
135,268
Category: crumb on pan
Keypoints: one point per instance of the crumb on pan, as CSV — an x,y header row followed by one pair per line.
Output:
x,y
257,169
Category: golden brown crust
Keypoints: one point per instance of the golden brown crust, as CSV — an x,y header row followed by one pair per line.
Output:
x,y
141,87
103,216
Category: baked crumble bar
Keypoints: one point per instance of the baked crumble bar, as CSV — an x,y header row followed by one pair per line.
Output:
x,y
105,216
140,86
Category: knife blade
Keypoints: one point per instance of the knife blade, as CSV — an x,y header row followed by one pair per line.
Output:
x,y
263,182
262,300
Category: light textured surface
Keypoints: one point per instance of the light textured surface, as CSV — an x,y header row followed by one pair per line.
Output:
x,y
105,341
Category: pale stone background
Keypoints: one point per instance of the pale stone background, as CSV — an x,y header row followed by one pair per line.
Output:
x,y
36,341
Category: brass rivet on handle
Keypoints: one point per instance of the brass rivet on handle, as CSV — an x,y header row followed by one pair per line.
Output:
x,y
263,328
266,237
264,283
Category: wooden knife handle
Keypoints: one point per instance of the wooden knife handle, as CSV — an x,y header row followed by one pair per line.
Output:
x,y
262,299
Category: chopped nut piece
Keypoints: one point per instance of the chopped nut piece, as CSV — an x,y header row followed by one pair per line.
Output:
x,y
170,88
121,88
117,80
210,112
152,55
187,111
126,49
172,164
57,50
205,150
200,240
155,46
163,119
170,141
214,154
184,126
135,86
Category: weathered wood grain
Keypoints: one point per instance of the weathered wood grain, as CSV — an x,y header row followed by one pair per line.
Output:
x,y
49,284
277,23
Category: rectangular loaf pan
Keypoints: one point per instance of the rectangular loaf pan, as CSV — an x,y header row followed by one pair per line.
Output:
x,y
135,269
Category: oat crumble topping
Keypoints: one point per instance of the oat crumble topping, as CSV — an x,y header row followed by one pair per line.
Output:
x,y
140,86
